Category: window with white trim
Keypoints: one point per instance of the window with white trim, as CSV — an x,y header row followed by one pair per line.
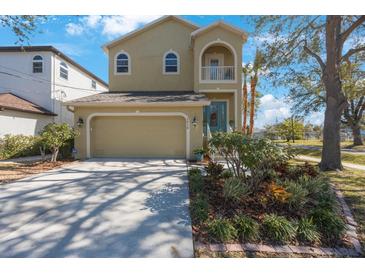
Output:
x,y
93,84
63,70
37,64
171,63
122,65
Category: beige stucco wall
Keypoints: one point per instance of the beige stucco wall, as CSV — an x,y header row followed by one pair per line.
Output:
x,y
217,36
196,134
146,51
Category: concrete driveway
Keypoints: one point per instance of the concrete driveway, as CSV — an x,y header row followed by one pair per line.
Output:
x,y
99,208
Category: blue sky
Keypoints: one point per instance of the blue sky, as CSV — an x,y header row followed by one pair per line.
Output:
x,y
81,37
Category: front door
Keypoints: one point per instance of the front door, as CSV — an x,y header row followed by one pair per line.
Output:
x,y
215,115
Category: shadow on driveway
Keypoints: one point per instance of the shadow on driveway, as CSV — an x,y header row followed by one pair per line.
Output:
x,y
99,208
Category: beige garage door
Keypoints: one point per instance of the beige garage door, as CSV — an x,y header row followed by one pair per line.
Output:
x,y
138,136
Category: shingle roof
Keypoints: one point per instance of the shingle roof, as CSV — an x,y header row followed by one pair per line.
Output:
x,y
13,102
142,97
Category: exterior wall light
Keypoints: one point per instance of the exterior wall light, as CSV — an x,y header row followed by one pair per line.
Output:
x,y
80,122
194,122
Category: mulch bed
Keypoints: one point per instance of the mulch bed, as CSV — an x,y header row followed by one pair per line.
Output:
x,y
254,207
16,171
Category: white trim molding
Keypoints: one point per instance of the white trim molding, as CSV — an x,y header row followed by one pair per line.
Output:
x,y
164,72
129,63
234,91
133,114
231,48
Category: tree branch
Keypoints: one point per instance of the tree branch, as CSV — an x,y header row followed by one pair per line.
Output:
x,y
352,52
347,32
316,56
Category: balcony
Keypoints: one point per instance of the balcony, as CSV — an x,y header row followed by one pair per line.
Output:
x,y
218,73
217,64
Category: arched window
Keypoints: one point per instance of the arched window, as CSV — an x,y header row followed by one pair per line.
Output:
x,y
63,70
171,63
37,64
122,63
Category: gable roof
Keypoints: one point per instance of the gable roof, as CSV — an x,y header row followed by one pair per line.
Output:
x,y
147,27
222,24
11,101
55,51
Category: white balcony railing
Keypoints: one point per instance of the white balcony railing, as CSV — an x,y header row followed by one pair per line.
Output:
x,y
215,73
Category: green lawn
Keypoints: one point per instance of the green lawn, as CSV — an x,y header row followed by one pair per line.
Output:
x,y
352,184
318,143
346,157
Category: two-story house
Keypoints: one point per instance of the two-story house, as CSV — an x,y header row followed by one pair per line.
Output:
x,y
34,82
171,84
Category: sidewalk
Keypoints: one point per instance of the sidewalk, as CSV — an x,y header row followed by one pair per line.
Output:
x,y
317,160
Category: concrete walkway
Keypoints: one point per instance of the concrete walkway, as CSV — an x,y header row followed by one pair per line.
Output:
x,y
99,208
317,160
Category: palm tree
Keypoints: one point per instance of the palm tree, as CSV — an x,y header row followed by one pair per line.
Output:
x,y
256,70
245,71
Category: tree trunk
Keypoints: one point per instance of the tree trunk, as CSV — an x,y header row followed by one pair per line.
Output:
x,y
54,155
244,128
335,100
356,132
252,103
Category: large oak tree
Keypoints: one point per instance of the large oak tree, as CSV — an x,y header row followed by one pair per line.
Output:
x,y
292,43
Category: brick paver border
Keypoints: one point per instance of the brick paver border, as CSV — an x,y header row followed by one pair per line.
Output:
x,y
338,252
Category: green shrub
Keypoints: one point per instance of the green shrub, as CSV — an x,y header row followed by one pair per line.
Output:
x,y
235,189
194,171
222,230
299,195
307,231
278,228
196,183
214,170
330,224
319,192
55,136
226,174
247,228
244,153
199,208
12,146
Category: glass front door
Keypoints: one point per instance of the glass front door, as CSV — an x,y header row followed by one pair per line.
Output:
x,y
215,115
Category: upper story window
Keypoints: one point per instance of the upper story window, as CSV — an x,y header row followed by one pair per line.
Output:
x,y
171,63
93,84
37,64
122,63
63,70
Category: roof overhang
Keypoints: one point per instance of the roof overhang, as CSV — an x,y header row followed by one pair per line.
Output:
x,y
167,104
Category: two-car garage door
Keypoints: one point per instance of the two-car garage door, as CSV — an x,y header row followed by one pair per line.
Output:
x,y
138,136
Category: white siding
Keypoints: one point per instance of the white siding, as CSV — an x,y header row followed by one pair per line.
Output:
x,y
76,78
15,122
45,89
35,87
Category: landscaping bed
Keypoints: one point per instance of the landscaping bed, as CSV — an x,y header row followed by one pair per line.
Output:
x,y
263,200
16,171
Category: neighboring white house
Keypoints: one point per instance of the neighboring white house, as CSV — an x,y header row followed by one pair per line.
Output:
x,y
44,77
